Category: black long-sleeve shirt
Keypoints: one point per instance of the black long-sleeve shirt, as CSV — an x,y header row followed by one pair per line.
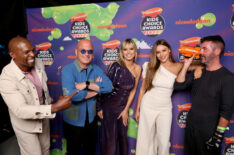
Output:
x,y
212,97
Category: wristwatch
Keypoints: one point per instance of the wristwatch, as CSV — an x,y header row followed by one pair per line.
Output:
x,y
87,84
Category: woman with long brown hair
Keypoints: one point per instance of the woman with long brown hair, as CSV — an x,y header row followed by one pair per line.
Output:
x,y
154,107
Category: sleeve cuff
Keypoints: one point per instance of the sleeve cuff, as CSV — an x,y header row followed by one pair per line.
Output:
x,y
45,112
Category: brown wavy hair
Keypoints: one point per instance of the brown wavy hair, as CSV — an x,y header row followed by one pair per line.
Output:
x,y
154,63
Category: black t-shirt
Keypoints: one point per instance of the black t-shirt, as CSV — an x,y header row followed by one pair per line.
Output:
x,y
212,97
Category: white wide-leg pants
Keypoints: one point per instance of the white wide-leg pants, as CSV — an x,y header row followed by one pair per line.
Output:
x,y
154,130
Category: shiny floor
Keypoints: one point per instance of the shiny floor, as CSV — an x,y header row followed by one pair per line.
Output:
x,y
9,147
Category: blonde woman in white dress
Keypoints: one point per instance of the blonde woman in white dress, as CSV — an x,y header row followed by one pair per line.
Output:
x,y
154,107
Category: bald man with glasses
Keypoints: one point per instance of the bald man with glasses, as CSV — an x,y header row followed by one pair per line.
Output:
x,y
80,127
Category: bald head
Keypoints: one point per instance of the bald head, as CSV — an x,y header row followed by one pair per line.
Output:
x,y
84,58
22,52
15,42
84,42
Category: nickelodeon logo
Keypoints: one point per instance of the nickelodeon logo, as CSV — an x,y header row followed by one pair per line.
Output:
x,y
52,83
80,17
43,46
229,140
111,44
185,107
112,26
154,12
71,56
207,19
191,42
144,55
43,29
54,136
191,21
228,53
176,146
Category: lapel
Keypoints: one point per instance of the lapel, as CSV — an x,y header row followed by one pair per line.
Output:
x,y
18,73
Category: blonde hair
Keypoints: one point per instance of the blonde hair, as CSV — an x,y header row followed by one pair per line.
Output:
x,y
154,63
126,42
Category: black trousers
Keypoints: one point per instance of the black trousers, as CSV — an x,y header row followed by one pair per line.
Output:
x,y
194,142
81,139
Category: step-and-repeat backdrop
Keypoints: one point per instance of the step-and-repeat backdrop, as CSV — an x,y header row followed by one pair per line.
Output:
x,y
55,32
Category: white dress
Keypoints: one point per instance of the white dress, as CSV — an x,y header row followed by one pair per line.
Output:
x,y
156,114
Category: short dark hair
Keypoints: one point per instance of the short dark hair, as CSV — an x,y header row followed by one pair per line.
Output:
x,y
217,39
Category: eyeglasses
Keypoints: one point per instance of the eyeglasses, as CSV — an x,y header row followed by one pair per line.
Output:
x,y
83,51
